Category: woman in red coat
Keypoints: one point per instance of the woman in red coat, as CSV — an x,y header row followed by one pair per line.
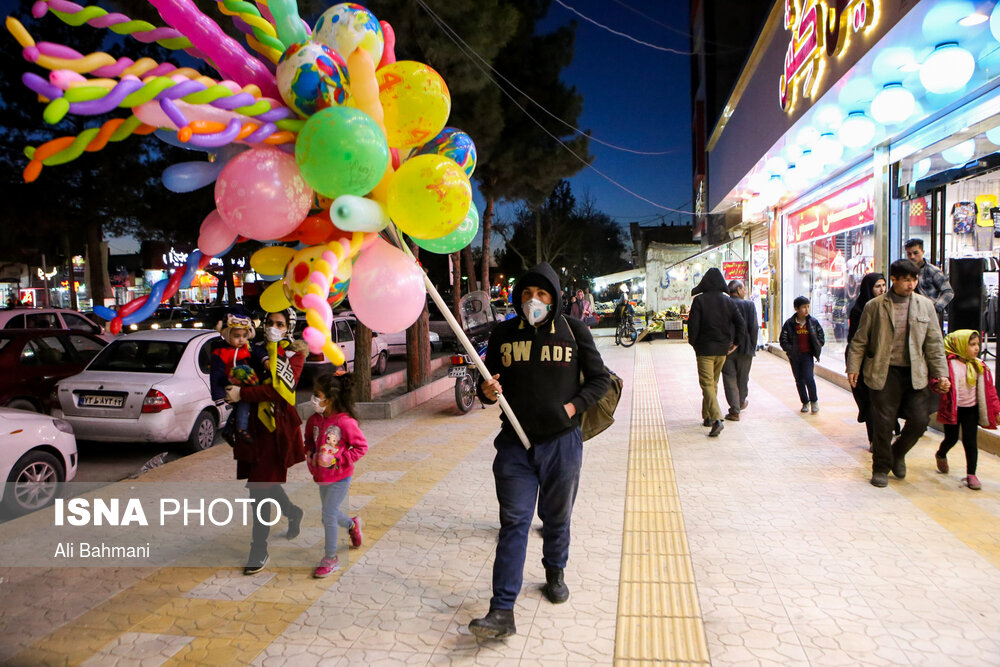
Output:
x,y
275,442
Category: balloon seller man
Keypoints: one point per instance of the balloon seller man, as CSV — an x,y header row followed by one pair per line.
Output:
x,y
540,358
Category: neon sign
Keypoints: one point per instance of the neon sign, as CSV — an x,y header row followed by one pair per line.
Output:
x,y
821,29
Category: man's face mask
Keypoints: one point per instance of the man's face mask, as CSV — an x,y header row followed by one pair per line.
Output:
x,y
535,311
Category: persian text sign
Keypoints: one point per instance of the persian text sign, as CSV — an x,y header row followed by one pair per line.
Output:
x,y
736,270
821,29
850,207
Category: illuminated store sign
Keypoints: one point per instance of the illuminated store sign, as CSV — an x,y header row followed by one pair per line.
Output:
x,y
845,209
821,30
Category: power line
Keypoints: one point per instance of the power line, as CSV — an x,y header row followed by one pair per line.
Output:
x,y
630,37
730,47
465,48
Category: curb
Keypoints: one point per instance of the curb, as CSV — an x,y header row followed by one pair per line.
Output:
x,y
395,407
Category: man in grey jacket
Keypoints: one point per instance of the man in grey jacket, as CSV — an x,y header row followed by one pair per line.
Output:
x,y
899,343
736,371
931,281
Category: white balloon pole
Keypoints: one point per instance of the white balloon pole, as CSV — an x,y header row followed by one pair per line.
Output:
x,y
470,349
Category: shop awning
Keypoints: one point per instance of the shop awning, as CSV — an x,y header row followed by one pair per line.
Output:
x,y
619,277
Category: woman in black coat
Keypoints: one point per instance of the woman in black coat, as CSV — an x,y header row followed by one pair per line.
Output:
x,y
872,285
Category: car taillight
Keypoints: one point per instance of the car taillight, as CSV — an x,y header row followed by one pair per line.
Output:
x,y
155,401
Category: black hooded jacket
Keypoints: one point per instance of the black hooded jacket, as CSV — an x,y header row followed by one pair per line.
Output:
x,y
715,323
540,367
865,294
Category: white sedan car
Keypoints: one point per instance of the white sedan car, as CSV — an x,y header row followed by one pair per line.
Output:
x,y
148,386
37,454
396,342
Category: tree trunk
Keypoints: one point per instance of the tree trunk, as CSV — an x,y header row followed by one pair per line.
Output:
x,y
96,270
538,236
418,352
470,267
227,271
418,348
487,233
456,288
363,362
71,270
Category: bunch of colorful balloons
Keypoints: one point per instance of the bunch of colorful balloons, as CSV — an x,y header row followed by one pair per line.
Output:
x,y
323,141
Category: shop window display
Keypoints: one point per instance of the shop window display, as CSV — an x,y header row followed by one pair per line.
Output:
x,y
831,246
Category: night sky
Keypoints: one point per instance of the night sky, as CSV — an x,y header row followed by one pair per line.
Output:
x,y
636,97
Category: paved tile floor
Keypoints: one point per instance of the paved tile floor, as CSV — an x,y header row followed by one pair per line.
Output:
x,y
794,558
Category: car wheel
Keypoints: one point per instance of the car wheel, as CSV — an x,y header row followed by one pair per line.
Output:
x,y
22,404
382,364
202,433
33,482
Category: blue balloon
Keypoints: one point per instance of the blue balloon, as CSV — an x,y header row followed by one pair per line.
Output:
x,y
156,293
191,176
104,313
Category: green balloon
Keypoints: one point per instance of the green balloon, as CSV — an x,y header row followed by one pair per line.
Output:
x,y
458,239
341,151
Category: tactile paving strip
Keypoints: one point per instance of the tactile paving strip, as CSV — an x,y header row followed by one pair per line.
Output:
x,y
659,619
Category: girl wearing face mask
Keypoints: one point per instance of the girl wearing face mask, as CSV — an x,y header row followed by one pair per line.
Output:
x,y
334,443
872,285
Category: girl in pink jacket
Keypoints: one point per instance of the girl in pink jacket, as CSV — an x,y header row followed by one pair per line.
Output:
x,y
972,402
334,442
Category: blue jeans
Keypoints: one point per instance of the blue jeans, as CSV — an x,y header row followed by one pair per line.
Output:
x,y
805,380
332,497
241,416
548,473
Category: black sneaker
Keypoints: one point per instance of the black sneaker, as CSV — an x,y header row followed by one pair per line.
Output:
x,y
880,479
716,429
497,624
255,565
707,422
294,522
555,589
899,467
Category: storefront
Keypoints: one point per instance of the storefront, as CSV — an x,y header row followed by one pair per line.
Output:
x,y
855,126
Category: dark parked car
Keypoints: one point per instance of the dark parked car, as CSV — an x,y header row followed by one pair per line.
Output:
x,y
32,361
207,317
165,317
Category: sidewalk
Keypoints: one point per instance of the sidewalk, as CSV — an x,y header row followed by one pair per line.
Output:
x,y
766,545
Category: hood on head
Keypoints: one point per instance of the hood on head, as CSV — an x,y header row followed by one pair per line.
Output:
x,y
712,281
540,275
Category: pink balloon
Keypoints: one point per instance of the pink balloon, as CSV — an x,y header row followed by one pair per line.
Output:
x,y
215,235
261,195
314,339
223,52
387,288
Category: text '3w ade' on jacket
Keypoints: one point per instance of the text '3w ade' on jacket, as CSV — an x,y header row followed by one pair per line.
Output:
x,y
540,367
715,324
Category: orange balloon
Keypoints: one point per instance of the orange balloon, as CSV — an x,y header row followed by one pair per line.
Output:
x,y
315,229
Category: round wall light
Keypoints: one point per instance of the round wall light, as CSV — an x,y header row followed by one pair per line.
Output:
x,y
809,164
993,134
921,168
754,205
893,104
794,179
960,153
828,149
857,130
757,181
776,165
773,190
947,69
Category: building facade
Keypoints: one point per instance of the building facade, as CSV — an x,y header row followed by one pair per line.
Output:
x,y
855,125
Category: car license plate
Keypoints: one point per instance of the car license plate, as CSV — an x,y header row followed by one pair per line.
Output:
x,y
98,401
458,372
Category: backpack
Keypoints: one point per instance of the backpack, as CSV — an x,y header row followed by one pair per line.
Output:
x,y
598,417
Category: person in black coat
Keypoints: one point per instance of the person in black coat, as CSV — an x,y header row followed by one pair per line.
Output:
x,y
715,329
802,339
872,285
736,371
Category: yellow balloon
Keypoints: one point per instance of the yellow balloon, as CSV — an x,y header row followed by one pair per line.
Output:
x,y
334,354
273,300
271,261
429,196
415,103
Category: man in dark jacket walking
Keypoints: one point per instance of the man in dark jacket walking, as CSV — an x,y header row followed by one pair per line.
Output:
x,y
736,371
537,360
715,329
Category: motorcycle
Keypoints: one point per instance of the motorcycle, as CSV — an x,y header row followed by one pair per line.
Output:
x,y
479,316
